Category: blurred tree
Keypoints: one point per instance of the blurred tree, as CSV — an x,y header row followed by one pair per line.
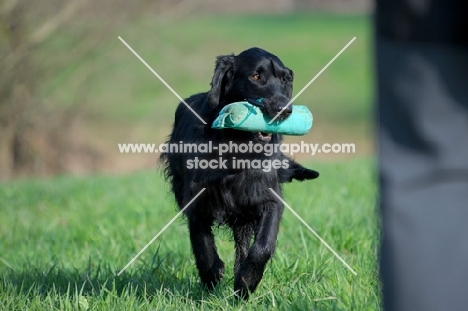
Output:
x,y
16,86
36,136
22,119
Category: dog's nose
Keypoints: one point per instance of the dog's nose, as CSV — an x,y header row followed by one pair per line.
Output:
x,y
287,111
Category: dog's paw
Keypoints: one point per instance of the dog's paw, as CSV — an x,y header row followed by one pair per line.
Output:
x,y
246,281
242,288
305,174
213,276
299,173
309,174
242,292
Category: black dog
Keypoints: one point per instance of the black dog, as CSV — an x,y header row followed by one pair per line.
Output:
x,y
238,197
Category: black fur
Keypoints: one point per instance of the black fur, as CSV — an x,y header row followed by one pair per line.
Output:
x,y
239,198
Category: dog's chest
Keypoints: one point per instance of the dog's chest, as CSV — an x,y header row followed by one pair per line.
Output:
x,y
242,196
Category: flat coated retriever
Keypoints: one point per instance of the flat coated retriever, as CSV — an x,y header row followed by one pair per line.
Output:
x,y
237,197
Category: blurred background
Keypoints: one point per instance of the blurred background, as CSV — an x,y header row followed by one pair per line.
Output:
x,y
70,91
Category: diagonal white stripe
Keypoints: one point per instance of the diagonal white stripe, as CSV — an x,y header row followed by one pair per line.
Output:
x,y
313,79
162,80
313,232
160,232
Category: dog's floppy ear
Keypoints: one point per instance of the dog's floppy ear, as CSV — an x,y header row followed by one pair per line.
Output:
x,y
222,78
289,80
291,73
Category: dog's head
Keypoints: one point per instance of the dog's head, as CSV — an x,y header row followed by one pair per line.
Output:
x,y
253,74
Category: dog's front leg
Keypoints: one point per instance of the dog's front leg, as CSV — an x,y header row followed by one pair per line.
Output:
x,y
252,268
242,238
210,266
294,171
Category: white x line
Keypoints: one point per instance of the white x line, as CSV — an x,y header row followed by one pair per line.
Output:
x,y
191,201
314,233
313,79
160,232
162,80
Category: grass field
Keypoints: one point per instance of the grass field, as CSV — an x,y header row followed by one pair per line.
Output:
x,y
64,239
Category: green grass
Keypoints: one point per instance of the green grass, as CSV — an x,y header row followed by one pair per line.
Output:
x,y
64,239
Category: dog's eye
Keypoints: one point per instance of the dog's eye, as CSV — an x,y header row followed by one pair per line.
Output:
x,y
256,77
286,79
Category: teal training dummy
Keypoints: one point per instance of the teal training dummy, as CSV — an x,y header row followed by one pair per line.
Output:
x,y
247,117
